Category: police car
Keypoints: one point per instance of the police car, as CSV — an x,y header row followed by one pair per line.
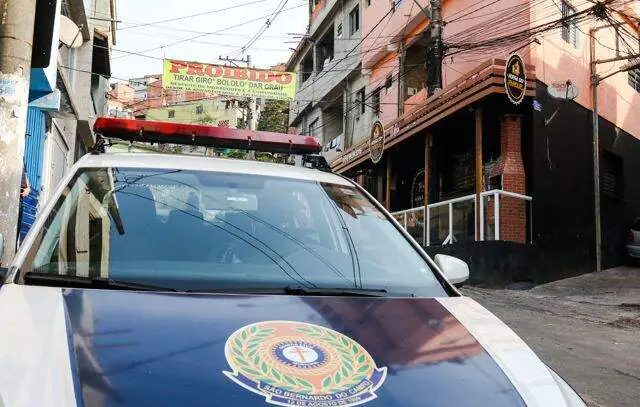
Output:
x,y
166,280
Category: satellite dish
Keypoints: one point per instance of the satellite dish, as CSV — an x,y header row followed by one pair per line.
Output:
x,y
70,33
564,90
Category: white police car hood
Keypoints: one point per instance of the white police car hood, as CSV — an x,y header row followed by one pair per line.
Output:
x,y
70,347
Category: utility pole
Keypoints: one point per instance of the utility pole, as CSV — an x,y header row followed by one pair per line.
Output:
x,y
436,37
596,150
596,79
252,102
16,41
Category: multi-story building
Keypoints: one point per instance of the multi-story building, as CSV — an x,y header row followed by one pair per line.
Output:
x,y
220,112
152,102
67,91
330,75
119,98
467,169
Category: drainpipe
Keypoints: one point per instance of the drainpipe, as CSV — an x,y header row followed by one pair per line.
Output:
x,y
402,54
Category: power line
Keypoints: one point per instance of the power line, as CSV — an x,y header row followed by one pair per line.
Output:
x,y
464,9
521,34
191,15
471,12
362,52
264,27
318,77
215,32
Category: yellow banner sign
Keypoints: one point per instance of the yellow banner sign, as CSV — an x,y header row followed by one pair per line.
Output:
x,y
228,80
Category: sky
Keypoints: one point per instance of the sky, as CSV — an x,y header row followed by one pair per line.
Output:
x,y
271,48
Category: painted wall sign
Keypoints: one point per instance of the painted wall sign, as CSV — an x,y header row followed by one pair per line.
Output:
x,y
7,87
376,142
295,363
515,79
564,90
228,80
352,155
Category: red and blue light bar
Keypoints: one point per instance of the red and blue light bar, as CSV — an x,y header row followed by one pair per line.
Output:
x,y
205,136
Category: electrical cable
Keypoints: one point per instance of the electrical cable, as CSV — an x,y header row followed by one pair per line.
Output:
x,y
262,29
214,32
191,15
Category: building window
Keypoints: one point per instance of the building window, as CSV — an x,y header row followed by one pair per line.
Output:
x,y
172,114
354,20
339,31
634,79
325,50
388,84
307,66
200,109
569,26
360,102
375,101
613,183
313,128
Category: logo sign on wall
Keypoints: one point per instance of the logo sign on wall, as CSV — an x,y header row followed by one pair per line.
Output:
x,y
376,142
515,79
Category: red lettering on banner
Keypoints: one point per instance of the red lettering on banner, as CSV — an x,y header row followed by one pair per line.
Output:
x,y
284,79
213,71
177,66
227,72
263,76
196,69
239,73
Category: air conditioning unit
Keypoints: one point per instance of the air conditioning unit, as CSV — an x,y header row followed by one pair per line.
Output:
x,y
412,91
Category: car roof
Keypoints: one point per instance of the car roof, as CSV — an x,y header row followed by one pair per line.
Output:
x,y
195,163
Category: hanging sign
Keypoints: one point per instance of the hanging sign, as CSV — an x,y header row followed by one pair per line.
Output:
x,y
376,142
228,80
515,79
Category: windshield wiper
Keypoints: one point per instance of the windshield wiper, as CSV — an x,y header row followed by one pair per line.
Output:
x,y
297,290
337,292
57,280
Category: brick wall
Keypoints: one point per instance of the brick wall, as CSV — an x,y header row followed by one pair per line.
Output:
x,y
513,212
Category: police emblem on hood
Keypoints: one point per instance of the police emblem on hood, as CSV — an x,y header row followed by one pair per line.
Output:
x,y
294,363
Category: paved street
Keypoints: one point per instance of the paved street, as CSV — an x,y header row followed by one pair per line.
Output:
x,y
586,328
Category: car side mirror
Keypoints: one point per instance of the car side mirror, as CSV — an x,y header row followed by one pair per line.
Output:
x,y
455,270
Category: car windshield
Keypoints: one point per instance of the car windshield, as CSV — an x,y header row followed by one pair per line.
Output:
x,y
202,230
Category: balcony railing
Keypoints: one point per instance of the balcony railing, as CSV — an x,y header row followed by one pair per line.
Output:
x,y
454,221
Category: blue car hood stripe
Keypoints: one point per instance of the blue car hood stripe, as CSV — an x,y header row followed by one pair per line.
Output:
x,y
165,349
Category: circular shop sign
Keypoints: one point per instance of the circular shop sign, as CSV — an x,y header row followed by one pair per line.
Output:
x,y
295,363
376,142
515,79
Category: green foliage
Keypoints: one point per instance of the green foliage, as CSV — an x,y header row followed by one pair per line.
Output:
x,y
274,116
